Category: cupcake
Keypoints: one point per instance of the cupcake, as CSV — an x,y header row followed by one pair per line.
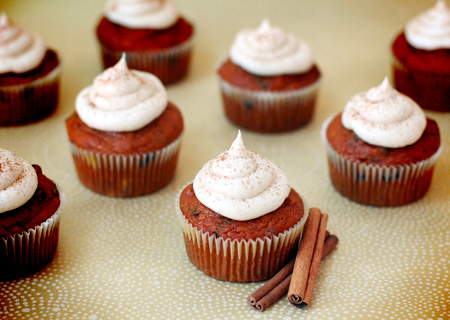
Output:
x,y
269,81
29,75
153,35
30,210
125,134
381,149
240,217
421,59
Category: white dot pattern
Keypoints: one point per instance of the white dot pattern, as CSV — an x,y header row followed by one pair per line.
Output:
x,y
126,258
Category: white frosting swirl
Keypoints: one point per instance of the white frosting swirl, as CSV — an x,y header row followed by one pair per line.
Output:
x,y
20,50
240,184
122,99
270,51
384,117
431,29
18,181
139,14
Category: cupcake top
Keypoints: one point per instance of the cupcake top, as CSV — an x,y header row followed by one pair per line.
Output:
x,y
122,99
270,51
430,30
384,117
240,184
142,14
18,181
20,49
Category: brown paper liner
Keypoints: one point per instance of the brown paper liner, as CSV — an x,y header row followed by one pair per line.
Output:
x,y
262,111
240,261
120,175
375,184
169,65
24,103
26,253
430,90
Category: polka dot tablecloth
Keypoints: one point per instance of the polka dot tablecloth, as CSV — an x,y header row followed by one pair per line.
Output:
x,y
125,258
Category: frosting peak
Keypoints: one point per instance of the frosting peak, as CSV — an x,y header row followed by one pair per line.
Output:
x,y
18,181
237,147
240,184
138,14
430,30
122,99
384,117
269,51
20,50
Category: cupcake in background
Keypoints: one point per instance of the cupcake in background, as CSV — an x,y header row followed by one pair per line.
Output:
x,y
29,75
30,210
269,81
240,217
153,35
381,149
421,58
125,134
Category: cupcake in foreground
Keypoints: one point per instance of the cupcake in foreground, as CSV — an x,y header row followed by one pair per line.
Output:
x,y
29,75
240,218
421,59
153,35
269,82
125,134
30,210
381,149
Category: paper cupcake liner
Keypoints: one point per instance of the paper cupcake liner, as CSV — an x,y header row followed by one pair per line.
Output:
x,y
120,175
169,65
430,90
379,185
239,261
263,111
24,103
25,253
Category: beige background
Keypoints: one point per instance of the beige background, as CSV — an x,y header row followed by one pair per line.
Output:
x,y
125,259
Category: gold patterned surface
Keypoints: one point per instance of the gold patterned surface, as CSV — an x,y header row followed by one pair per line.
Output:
x,y
125,258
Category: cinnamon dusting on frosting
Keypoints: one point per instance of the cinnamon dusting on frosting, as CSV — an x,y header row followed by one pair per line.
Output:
x,y
384,117
20,50
122,99
240,184
269,51
138,14
18,181
430,30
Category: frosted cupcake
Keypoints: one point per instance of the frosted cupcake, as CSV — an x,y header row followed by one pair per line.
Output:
x,y
125,134
153,35
29,75
382,149
240,217
30,210
421,58
269,82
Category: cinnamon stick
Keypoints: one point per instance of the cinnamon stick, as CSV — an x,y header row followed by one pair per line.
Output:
x,y
270,286
273,295
330,243
304,257
315,263
278,286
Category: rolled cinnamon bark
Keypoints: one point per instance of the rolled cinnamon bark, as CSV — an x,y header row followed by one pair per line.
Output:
x,y
304,257
330,243
315,263
278,286
274,295
271,285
